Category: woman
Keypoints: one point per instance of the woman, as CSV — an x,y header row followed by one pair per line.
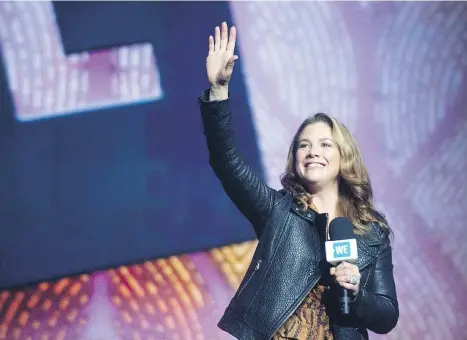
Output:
x,y
287,292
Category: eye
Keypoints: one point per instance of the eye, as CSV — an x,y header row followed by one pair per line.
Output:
x,y
302,145
326,145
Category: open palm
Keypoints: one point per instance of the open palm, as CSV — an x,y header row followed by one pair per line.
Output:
x,y
221,58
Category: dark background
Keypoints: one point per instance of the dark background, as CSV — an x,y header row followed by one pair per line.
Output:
x,y
116,186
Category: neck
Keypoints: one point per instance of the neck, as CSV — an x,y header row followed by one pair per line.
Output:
x,y
326,200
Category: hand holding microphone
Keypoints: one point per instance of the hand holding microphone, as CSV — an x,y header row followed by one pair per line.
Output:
x,y
342,251
347,276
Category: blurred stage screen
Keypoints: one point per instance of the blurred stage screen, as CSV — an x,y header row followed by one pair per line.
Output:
x,y
113,225
104,160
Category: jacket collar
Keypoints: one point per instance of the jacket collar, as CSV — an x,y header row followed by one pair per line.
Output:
x,y
367,245
308,214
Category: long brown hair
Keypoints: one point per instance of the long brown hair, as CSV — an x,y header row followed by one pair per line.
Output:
x,y
355,193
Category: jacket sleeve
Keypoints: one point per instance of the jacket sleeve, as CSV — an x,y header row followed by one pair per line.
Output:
x,y
247,191
376,305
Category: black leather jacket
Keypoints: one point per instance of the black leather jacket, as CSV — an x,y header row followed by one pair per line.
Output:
x,y
289,261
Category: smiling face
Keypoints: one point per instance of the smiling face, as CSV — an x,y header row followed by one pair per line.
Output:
x,y
324,157
317,158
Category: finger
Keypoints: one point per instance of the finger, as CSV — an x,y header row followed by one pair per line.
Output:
x,y
343,278
230,64
348,279
217,39
344,272
340,266
224,39
352,267
232,38
211,45
232,60
351,287
332,271
346,265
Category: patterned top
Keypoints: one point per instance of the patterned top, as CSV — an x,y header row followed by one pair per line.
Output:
x,y
310,320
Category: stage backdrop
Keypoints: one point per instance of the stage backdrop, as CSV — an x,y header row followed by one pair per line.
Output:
x,y
103,162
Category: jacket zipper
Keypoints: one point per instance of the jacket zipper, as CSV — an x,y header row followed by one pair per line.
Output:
x,y
258,264
302,297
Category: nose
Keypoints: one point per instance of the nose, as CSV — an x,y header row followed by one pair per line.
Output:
x,y
313,151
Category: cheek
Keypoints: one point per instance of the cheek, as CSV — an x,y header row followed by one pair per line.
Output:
x,y
298,158
334,159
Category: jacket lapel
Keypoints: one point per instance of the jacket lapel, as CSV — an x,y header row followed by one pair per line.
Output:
x,y
367,248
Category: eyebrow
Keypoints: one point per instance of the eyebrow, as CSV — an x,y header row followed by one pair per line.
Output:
x,y
321,139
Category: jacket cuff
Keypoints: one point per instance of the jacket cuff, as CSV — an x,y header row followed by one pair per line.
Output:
x,y
219,108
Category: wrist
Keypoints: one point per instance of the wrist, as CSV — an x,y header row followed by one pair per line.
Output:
x,y
219,92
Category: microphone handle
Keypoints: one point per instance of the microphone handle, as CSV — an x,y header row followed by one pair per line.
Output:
x,y
344,300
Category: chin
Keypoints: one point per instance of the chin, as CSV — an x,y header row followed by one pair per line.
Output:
x,y
313,179
308,182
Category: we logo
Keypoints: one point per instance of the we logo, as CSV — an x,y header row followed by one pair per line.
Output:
x,y
341,249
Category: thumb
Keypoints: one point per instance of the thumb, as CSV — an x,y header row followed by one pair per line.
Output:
x,y
231,62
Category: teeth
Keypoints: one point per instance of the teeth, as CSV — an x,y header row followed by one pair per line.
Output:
x,y
315,165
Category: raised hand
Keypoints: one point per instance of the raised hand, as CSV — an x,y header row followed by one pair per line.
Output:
x,y
221,58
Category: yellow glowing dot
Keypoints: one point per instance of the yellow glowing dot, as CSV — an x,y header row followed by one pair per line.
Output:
x,y
72,314
63,304
23,318
161,305
126,317
144,324
83,299
150,309
52,322
134,305
170,322
125,291
75,288
46,305
60,286
151,287
33,300
43,286
116,300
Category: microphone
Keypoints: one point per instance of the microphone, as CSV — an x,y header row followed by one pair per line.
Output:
x,y
342,247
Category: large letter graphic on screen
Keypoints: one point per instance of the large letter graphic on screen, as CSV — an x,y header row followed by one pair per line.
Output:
x,y
45,82
116,183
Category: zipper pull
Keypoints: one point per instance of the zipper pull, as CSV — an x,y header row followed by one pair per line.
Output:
x,y
258,264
